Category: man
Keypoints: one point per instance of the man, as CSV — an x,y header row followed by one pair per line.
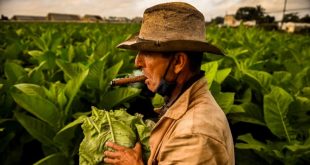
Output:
x,y
192,129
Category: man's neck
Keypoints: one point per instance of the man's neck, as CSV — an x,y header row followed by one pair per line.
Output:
x,y
183,82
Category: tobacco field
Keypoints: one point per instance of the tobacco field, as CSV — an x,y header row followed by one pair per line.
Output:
x,y
51,74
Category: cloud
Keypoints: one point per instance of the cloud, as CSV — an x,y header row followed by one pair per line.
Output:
x,y
132,8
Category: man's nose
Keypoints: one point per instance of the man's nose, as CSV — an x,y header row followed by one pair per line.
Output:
x,y
139,61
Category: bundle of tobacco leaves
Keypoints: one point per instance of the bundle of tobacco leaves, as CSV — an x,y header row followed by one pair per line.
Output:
x,y
116,126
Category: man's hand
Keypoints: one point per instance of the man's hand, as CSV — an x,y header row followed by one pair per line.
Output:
x,y
123,155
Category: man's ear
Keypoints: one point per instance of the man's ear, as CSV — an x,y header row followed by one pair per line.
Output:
x,y
181,60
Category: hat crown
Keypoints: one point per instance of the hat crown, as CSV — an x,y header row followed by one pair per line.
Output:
x,y
173,21
174,26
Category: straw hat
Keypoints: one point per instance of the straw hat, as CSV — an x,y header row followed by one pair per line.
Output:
x,y
174,26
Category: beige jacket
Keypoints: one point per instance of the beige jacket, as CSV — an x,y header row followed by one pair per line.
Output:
x,y
194,130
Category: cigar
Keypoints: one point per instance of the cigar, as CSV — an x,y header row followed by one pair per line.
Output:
x,y
124,81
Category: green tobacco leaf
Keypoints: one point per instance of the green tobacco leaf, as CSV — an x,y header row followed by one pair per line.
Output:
x,y
221,75
56,41
14,72
66,135
32,98
236,109
144,129
72,88
117,126
105,126
54,91
38,55
70,69
50,59
301,79
237,52
71,53
39,43
62,99
35,53
118,96
215,87
276,105
241,117
110,73
298,147
96,74
259,80
249,113
211,69
225,100
67,132
13,50
36,75
282,78
158,101
246,96
250,143
36,128
299,114
56,158
306,92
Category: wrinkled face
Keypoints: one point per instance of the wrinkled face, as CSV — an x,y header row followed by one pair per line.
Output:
x,y
153,65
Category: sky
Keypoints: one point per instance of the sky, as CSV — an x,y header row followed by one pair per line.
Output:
x,y
133,8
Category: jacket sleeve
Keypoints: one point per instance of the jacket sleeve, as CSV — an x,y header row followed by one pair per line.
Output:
x,y
193,149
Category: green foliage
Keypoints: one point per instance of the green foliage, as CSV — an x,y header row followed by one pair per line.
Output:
x,y
52,73
276,105
270,79
32,98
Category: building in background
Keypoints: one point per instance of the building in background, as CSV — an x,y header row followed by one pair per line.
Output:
x,y
92,18
28,18
293,27
63,17
231,21
136,20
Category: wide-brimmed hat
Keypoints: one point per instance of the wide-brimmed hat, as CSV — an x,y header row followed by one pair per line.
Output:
x,y
174,26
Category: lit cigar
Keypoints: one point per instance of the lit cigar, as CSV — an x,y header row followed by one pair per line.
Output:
x,y
124,81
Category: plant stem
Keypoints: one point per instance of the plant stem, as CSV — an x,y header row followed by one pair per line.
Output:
x,y
110,124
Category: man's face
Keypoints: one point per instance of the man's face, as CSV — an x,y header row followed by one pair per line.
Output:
x,y
153,66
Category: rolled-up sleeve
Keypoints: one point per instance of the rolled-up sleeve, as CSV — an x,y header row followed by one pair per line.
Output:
x,y
190,149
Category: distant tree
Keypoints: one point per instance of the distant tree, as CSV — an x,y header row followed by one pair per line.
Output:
x,y
254,13
250,13
267,19
3,17
246,13
218,20
260,11
291,17
305,19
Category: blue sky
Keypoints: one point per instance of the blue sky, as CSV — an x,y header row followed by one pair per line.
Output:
x,y
132,8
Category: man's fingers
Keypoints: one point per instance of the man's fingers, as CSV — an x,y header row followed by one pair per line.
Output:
x,y
110,161
115,146
111,154
138,148
123,155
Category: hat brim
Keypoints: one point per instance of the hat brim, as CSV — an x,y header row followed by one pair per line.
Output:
x,y
136,43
